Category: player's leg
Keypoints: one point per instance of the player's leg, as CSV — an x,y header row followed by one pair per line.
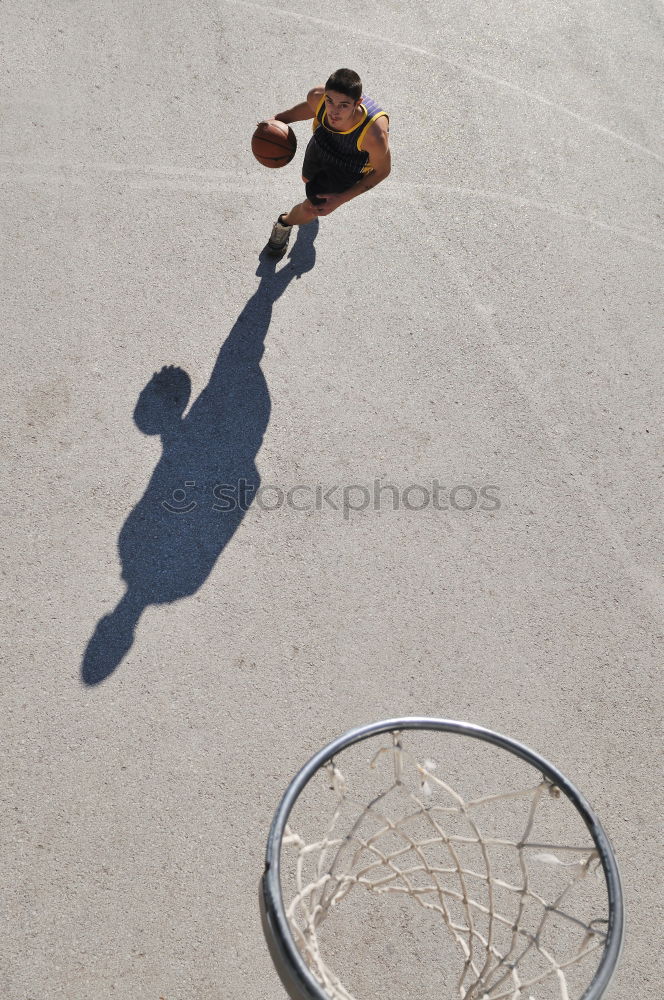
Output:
x,y
299,215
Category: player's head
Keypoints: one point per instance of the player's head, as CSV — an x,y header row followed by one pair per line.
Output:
x,y
345,81
343,93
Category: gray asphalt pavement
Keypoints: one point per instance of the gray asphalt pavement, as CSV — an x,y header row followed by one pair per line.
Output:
x,y
482,332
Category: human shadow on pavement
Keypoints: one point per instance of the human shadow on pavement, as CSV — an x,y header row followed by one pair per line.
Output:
x,y
171,540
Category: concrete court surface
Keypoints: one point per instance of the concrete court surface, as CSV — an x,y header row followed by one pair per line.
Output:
x,y
488,317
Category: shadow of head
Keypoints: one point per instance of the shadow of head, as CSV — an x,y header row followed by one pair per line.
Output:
x,y
163,401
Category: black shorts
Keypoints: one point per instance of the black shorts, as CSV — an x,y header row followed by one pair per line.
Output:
x,y
322,179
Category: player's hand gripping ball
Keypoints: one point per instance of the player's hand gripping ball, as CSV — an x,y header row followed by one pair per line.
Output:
x,y
273,143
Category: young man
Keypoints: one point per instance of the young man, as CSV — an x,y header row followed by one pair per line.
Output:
x,y
347,154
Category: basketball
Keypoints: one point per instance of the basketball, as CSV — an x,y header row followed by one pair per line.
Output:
x,y
273,144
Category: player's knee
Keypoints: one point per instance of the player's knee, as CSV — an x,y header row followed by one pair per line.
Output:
x,y
309,209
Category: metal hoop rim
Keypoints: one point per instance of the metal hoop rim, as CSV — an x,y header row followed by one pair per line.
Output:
x,y
297,978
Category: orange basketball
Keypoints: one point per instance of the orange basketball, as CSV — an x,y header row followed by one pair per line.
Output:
x,y
273,144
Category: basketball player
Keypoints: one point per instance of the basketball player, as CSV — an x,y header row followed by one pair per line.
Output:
x,y
347,154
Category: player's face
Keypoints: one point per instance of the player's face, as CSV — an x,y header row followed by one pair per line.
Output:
x,y
340,109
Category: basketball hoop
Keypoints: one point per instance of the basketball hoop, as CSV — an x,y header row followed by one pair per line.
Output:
x,y
474,838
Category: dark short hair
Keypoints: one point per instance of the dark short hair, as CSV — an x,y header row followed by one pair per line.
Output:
x,y
345,81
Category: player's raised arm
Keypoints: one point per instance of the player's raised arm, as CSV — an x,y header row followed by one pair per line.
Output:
x,y
301,112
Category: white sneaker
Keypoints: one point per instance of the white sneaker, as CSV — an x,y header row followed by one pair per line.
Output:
x,y
278,242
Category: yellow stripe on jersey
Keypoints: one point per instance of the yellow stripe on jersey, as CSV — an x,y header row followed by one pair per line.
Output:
x,y
368,125
318,118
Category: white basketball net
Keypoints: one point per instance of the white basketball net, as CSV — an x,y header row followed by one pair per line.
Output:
x,y
512,937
